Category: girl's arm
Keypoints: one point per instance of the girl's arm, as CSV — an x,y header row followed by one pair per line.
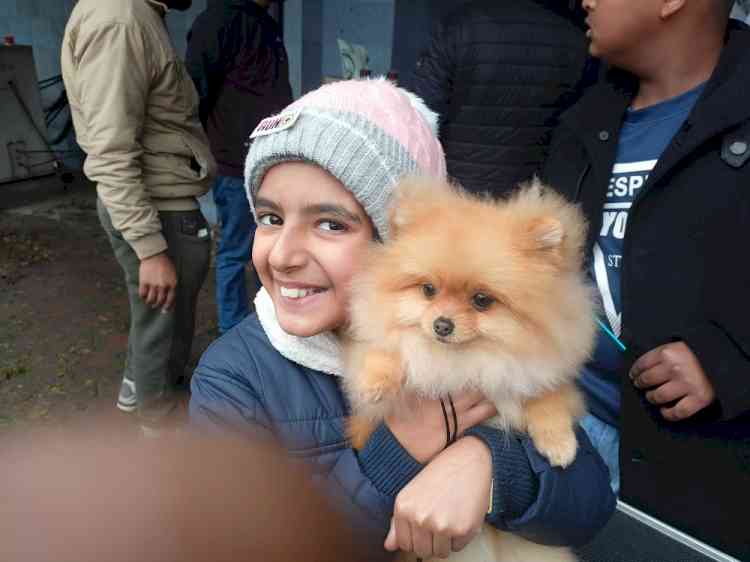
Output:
x,y
546,504
528,496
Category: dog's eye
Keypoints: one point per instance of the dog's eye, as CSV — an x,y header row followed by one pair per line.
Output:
x,y
429,290
482,302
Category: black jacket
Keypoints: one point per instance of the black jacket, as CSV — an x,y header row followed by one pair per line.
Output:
x,y
685,276
499,72
237,60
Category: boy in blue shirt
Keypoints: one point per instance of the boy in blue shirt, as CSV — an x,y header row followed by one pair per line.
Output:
x,y
657,156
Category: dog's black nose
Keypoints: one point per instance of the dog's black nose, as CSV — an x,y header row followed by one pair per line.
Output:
x,y
443,326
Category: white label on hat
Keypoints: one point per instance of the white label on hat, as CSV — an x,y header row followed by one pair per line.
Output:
x,y
280,122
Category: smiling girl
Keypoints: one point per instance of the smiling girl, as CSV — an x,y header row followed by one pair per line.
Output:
x,y
319,178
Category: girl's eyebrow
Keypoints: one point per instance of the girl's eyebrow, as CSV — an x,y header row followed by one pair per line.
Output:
x,y
313,209
262,202
331,209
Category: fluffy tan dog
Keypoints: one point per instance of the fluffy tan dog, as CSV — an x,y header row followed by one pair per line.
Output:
x,y
476,294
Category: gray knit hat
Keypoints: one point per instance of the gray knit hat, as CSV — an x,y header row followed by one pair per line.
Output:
x,y
367,133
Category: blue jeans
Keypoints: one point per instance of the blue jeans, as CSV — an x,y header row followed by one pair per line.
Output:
x,y
233,252
606,440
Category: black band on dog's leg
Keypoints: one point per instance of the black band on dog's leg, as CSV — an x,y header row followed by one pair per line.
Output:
x,y
447,425
455,419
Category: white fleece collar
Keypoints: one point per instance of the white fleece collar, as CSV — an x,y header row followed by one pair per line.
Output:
x,y
321,352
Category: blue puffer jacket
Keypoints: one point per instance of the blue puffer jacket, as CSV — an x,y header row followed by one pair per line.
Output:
x,y
244,385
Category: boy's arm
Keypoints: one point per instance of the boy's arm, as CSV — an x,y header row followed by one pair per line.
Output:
x,y
722,342
710,360
114,73
723,350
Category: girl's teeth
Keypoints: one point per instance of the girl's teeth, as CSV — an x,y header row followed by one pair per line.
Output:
x,y
296,293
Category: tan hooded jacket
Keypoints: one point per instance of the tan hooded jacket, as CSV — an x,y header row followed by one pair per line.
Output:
x,y
135,112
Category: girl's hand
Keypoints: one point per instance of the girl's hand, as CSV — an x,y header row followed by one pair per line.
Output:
x,y
443,508
421,430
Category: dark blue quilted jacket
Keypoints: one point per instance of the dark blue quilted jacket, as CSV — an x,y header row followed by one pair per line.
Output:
x,y
244,385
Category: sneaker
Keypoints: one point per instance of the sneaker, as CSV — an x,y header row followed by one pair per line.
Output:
x,y
127,401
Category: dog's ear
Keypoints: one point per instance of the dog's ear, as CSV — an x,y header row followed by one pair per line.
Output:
x,y
552,225
546,233
546,239
544,226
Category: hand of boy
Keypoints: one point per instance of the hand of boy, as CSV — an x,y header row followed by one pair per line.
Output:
x,y
672,372
442,509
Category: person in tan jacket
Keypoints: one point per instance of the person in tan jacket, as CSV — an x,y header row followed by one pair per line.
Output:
x,y
135,112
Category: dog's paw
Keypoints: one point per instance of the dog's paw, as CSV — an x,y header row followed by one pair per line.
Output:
x,y
558,445
381,379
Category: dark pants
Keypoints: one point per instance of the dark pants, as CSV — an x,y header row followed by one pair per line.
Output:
x,y
159,344
233,252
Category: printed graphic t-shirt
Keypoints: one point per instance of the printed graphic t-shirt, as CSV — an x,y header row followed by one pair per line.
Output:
x,y
644,136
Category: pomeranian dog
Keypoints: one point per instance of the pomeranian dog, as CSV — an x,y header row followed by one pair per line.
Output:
x,y
476,294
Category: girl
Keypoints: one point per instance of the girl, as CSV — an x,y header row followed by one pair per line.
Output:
x,y
319,177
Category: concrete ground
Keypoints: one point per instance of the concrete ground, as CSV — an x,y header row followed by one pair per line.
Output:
x,y
64,309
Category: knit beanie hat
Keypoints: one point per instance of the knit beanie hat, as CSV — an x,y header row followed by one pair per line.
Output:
x,y
367,133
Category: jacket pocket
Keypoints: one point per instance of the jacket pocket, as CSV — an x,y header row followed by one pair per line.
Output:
x,y
193,228
201,165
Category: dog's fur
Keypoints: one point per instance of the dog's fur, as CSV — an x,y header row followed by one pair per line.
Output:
x,y
523,351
